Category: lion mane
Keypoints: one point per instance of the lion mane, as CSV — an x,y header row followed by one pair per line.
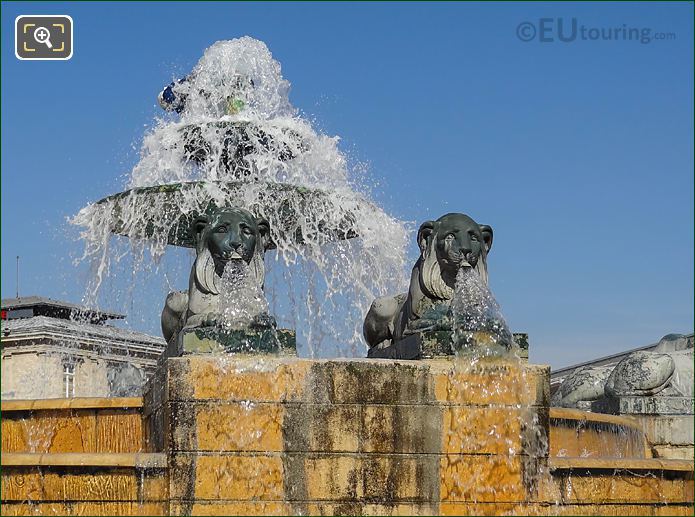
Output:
x,y
430,273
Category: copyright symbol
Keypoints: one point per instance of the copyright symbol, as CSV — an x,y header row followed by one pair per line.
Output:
x,y
526,31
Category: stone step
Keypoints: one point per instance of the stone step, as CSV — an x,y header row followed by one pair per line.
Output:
x,y
73,425
622,481
84,484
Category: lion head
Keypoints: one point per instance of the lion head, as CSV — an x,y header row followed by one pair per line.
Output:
x,y
229,234
452,242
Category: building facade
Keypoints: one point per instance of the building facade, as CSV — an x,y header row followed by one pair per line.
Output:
x,y
55,349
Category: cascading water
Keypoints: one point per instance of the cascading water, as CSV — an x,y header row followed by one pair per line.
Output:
x,y
241,298
477,322
488,364
239,141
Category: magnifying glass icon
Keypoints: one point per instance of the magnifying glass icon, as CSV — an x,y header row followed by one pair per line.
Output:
x,y
42,35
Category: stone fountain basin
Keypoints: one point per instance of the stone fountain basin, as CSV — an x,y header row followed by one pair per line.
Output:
x,y
232,435
294,212
581,434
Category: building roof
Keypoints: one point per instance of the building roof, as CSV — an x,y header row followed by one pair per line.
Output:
x,y
17,332
41,306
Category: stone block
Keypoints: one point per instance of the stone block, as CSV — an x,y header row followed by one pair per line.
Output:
x,y
214,508
374,477
611,487
491,382
402,429
266,379
491,508
482,478
309,427
366,508
226,477
305,477
486,430
119,431
357,381
675,452
49,431
36,484
232,426
311,508
50,428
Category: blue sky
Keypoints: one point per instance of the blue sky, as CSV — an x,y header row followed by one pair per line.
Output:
x,y
579,154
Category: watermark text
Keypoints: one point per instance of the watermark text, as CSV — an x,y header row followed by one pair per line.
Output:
x,y
569,30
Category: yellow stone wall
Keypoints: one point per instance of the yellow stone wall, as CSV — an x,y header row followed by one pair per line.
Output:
x,y
369,437
234,435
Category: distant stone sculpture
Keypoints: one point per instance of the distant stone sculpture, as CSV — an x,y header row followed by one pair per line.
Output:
x,y
452,242
666,371
581,387
228,235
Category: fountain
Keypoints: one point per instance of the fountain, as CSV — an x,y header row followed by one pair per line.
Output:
x,y
234,140
235,423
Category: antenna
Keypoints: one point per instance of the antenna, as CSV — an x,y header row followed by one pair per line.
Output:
x,y
17,276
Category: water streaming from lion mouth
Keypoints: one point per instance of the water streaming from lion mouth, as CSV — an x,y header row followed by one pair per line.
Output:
x,y
487,363
241,298
268,159
477,322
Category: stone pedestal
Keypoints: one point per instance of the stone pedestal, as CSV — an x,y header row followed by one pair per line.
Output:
x,y
282,435
439,343
210,340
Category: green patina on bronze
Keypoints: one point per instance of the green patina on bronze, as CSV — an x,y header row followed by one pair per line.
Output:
x,y
235,141
287,202
429,344
208,340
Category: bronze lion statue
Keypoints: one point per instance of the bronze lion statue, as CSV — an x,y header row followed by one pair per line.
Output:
x,y
227,235
452,242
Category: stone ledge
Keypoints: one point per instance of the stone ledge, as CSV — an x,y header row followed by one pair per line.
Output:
x,y
72,403
140,460
387,479
311,507
645,405
627,464
561,413
668,429
676,452
144,508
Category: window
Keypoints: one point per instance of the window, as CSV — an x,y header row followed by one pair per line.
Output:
x,y
69,380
